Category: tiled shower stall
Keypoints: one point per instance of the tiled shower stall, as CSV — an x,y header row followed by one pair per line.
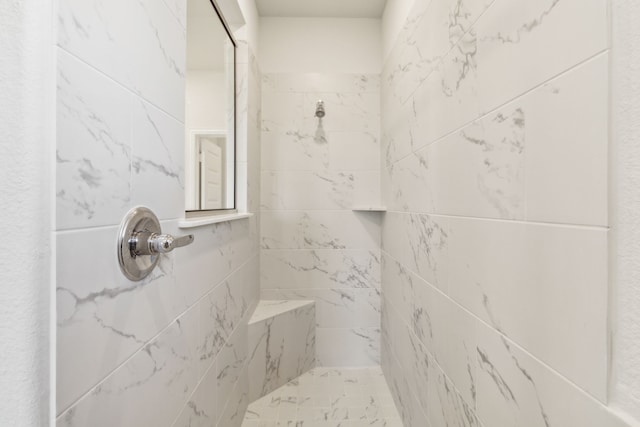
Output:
x,y
437,243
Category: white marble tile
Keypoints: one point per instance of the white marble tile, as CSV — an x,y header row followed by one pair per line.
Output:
x,y
397,287
406,402
449,97
230,365
285,112
179,10
522,44
295,150
453,409
350,397
345,112
336,308
354,151
420,243
439,29
516,389
149,389
93,151
405,132
480,171
567,146
319,268
396,61
281,347
157,179
412,357
237,404
201,408
141,48
216,252
321,190
405,189
321,82
100,314
366,190
459,362
242,111
319,230
288,112
509,273
348,347
307,190
221,313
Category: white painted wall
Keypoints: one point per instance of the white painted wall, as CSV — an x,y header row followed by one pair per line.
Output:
x,y
320,45
625,206
25,218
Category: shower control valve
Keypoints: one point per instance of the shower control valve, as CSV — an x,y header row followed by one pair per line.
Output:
x,y
141,242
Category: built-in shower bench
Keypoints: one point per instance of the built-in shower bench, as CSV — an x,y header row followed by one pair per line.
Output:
x,y
282,344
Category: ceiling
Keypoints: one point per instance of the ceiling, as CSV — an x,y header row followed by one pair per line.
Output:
x,y
322,8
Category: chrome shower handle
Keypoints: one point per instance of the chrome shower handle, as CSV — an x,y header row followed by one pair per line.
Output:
x,y
140,243
145,242
163,243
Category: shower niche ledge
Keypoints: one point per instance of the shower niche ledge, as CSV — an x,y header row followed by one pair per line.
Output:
x,y
369,208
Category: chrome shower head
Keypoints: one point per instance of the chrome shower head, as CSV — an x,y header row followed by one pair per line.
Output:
x,y
320,109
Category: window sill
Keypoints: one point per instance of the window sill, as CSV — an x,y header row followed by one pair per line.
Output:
x,y
207,220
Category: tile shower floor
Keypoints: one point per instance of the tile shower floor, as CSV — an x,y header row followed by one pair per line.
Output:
x,y
328,397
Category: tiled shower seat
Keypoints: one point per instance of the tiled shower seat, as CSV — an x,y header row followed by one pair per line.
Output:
x,y
282,344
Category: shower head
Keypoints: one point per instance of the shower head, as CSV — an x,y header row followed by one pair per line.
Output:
x,y
320,109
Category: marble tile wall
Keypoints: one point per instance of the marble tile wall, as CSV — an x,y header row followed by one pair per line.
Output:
x,y
494,250
171,349
282,344
313,247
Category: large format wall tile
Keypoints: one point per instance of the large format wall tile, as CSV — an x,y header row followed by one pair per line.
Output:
x,y
420,242
157,178
100,314
171,349
143,49
521,44
93,153
543,286
319,230
318,190
149,389
322,82
542,157
516,389
282,344
348,346
494,146
319,268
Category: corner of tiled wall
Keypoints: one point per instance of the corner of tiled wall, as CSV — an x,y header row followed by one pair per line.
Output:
x,y
314,171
